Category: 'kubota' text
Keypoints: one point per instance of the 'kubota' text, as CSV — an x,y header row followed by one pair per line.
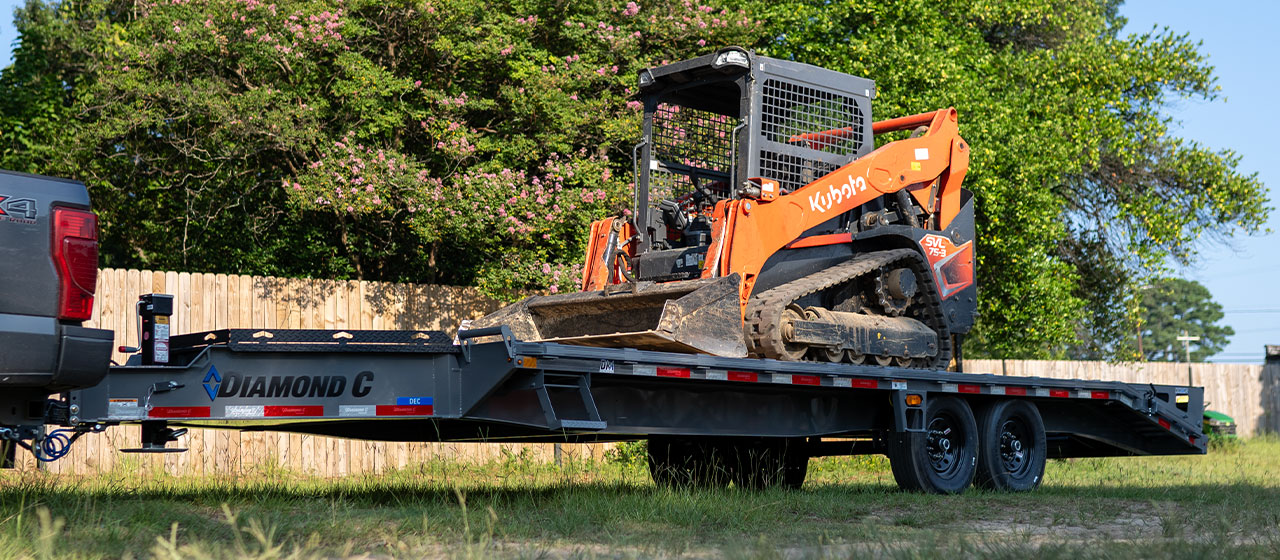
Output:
x,y
823,202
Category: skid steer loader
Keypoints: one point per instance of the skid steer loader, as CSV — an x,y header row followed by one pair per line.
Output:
x,y
767,224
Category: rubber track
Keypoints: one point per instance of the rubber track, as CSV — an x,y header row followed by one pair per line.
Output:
x,y
764,311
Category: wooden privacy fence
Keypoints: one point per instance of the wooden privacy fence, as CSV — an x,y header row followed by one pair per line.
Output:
x,y
203,302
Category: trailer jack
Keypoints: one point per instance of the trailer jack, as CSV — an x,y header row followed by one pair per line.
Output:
x,y
155,435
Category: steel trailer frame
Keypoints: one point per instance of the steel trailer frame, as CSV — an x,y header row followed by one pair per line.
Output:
x,y
489,386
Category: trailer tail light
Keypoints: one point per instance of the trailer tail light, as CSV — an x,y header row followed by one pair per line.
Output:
x,y
75,253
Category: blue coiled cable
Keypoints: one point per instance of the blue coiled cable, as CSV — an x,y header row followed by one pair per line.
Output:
x,y
55,445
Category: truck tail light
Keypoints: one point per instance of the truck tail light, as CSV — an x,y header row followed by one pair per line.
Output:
x,y
75,253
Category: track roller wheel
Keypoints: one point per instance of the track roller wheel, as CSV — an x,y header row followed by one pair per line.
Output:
x,y
833,355
791,351
943,459
1012,452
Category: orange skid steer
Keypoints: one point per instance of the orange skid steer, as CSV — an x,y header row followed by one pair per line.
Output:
x,y
767,224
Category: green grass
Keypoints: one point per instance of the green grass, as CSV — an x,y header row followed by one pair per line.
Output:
x,y
1226,504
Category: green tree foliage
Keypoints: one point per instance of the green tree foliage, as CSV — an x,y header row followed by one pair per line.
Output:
x,y
1172,306
1081,189
454,141
471,142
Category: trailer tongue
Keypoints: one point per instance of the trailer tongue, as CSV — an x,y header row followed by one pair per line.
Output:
x,y
709,419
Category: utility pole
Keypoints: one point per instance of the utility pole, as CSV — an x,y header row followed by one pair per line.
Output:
x,y
1186,346
1140,289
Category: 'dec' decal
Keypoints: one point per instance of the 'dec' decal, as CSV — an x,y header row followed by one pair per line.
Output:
x,y
952,266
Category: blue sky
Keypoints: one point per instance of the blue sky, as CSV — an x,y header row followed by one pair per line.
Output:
x,y
1239,39
7,33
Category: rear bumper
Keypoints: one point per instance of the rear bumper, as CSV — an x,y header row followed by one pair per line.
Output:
x,y
40,353
84,358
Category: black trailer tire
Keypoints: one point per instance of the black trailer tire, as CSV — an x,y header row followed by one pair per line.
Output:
x,y
900,463
671,463
658,454
1013,447
943,459
778,462
685,462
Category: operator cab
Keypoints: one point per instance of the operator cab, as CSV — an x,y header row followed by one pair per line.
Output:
x,y
702,144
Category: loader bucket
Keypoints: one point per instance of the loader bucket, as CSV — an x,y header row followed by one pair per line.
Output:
x,y
688,316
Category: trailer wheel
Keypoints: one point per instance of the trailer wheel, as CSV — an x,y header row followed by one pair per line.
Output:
x,y
1012,456
943,459
681,462
783,463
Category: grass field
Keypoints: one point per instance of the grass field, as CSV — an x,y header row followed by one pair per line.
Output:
x,y
1226,504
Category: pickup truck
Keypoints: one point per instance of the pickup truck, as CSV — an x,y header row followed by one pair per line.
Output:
x,y
48,274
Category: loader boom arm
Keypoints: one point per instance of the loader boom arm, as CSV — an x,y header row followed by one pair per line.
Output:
x,y
930,167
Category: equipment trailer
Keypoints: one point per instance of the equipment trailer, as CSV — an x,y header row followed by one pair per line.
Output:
x,y
797,292
709,420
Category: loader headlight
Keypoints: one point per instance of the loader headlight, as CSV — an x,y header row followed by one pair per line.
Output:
x,y
731,57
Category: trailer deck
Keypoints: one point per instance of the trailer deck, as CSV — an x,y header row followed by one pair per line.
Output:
x,y
489,386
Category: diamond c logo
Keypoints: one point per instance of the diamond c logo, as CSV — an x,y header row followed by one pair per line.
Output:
x,y
211,382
